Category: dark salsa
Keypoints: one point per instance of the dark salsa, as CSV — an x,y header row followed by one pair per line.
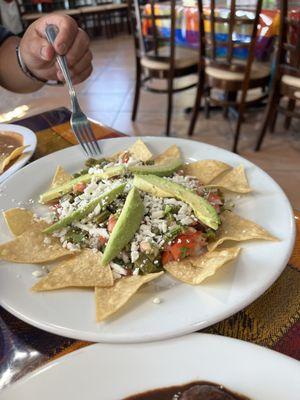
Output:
x,y
190,391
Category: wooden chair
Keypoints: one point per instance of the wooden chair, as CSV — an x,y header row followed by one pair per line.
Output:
x,y
228,73
286,80
158,57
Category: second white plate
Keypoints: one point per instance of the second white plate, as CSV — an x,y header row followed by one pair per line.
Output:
x,y
29,139
112,372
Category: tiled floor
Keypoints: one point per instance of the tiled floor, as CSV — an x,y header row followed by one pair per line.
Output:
x,y
107,96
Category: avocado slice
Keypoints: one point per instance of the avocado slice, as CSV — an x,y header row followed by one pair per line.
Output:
x,y
59,191
160,170
161,187
105,199
127,224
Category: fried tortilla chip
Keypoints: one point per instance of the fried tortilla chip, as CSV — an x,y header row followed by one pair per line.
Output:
x,y
238,229
194,270
60,177
19,220
171,153
140,151
82,270
206,170
234,181
33,246
7,158
110,300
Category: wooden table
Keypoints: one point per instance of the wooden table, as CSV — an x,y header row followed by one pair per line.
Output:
x,y
272,321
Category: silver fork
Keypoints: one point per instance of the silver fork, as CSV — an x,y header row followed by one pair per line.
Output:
x,y
79,122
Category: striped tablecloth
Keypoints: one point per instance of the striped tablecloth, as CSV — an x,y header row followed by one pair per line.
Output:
x,y
272,321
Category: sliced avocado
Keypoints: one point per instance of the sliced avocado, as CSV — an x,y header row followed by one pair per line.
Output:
x,y
161,187
105,199
146,185
127,224
59,191
160,170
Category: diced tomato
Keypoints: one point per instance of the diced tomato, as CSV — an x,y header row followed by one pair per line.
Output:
x,y
166,257
55,207
102,240
112,220
187,244
216,201
79,187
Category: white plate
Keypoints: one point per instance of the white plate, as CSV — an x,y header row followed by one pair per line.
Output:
x,y
29,139
112,372
184,308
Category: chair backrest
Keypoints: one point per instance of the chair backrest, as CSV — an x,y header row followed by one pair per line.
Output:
x,y
288,60
146,24
228,35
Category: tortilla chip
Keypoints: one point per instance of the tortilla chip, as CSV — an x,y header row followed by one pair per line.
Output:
x,y
110,300
234,181
82,270
140,151
206,170
171,153
10,157
194,270
30,248
60,177
19,220
238,229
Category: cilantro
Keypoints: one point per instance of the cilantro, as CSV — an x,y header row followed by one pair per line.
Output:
x,y
183,252
75,236
210,235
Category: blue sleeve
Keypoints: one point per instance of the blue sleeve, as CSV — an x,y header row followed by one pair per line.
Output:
x,y
4,34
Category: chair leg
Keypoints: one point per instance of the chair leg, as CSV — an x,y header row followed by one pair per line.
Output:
x,y
229,96
288,119
238,129
206,108
274,114
267,119
207,104
197,104
136,91
170,105
240,117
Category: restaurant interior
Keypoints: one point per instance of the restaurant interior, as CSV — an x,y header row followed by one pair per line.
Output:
x,y
224,73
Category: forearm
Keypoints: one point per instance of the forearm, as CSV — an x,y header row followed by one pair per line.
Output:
x,y
11,75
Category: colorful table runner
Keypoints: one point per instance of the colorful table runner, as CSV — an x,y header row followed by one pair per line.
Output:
x,y
272,321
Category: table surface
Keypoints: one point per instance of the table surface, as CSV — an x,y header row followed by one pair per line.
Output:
x,y
272,321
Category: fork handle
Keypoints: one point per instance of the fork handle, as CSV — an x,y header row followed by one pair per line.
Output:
x,y
51,33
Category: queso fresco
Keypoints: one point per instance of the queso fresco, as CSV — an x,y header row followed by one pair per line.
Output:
x,y
128,219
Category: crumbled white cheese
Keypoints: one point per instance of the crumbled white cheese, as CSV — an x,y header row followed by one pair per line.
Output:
x,y
156,300
118,268
134,255
38,273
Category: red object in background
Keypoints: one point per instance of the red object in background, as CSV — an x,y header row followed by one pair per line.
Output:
x,y
294,15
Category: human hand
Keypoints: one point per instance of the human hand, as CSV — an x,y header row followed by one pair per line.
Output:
x,y
71,41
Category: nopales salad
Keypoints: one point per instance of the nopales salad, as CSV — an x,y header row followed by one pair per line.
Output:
x,y
139,215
